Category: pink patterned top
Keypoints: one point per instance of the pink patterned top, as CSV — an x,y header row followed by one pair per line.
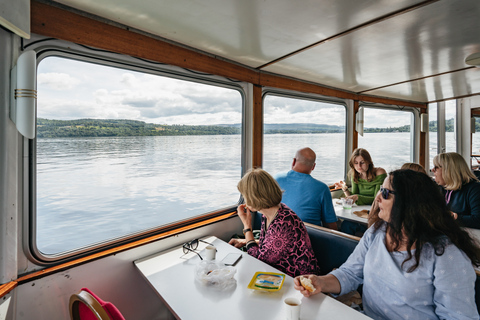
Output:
x,y
285,245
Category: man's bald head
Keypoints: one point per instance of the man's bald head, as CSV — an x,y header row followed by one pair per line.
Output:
x,y
304,161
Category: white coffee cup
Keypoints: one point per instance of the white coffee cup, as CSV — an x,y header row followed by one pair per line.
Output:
x,y
292,308
210,252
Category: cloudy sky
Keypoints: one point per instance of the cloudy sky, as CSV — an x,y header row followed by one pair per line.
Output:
x,y
69,89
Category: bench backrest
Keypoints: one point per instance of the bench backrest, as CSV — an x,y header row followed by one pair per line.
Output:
x,y
332,248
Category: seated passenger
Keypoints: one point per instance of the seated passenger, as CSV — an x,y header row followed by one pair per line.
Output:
x,y
416,263
284,242
366,181
365,178
308,197
373,214
460,186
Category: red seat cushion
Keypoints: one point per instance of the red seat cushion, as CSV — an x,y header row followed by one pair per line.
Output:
x,y
86,314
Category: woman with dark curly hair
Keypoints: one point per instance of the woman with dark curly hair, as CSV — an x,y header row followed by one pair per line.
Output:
x,y
414,263
284,242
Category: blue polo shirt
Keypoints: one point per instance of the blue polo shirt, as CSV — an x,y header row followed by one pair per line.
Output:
x,y
308,197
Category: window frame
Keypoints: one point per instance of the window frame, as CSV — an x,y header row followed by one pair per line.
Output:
x,y
414,134
58,48
310,97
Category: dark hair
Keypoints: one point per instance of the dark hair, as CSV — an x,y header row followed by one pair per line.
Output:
x,y
420,214
359,152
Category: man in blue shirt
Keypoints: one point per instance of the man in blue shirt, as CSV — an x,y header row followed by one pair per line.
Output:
x,y
308,197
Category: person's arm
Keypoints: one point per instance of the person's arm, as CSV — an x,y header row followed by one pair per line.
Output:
x,y
331,225
363,199
355,189
246,216
326,284
454,282
350,274
327,214
473,219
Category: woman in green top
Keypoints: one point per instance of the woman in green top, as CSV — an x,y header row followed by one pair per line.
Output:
x,y
365,178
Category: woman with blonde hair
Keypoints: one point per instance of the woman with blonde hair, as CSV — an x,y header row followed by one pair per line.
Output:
x,y
284,242
365,178
460,187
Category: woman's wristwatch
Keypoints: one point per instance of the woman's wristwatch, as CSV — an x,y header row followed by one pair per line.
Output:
x,y
246,230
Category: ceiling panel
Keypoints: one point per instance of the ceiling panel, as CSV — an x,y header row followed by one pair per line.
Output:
x,y
250,32
427,41
446,86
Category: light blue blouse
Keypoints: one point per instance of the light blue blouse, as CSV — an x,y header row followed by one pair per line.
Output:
x,y
442,287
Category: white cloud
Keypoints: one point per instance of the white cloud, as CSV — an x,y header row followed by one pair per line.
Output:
x,y
57,81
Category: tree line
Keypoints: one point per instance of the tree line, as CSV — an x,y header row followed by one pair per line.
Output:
x,y
121,128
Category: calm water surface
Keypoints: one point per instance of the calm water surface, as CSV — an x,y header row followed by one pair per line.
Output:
x,y
94,189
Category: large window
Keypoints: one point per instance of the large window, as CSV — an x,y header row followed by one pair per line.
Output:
x,y
119,152
293,123
387,137
432,132
476,143
450,116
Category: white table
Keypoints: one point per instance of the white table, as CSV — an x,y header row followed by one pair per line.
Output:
x,y
171,274
343,214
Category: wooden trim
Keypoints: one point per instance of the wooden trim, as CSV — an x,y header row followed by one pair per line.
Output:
x,y
257,153
277,81
422,157
356,106
113,251
55,22
7,287
51,21
394,102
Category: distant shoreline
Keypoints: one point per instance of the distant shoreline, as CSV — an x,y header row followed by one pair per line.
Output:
x,y
132,128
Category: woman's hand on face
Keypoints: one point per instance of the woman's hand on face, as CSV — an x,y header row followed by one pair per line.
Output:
x,y
354,197
245,215
316,282
455,216
238,243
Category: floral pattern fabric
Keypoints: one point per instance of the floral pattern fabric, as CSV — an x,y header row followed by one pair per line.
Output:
x,y
285,245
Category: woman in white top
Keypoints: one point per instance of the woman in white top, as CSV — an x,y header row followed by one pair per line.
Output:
x,y
414,263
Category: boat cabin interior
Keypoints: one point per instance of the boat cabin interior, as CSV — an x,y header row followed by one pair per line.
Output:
x,y
399,78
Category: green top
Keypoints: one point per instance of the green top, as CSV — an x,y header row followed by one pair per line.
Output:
x,y
367,190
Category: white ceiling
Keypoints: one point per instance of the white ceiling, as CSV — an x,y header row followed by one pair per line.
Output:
x,y
406,49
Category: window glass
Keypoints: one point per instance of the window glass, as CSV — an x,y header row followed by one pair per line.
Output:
x,y
292,123
387,137
450,112
120,151
432,132
476,143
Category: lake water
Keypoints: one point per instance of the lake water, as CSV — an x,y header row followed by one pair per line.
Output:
x,y
95,189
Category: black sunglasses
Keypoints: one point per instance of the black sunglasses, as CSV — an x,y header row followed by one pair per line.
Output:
x,y
186,249
193,245
385,192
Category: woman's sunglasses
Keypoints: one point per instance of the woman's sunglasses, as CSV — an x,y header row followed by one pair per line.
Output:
x,y
385,192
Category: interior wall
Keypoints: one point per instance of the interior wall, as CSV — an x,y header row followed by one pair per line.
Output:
x,y
114,278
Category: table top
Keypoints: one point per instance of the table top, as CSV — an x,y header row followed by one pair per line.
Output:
x,y
344,214
171,274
